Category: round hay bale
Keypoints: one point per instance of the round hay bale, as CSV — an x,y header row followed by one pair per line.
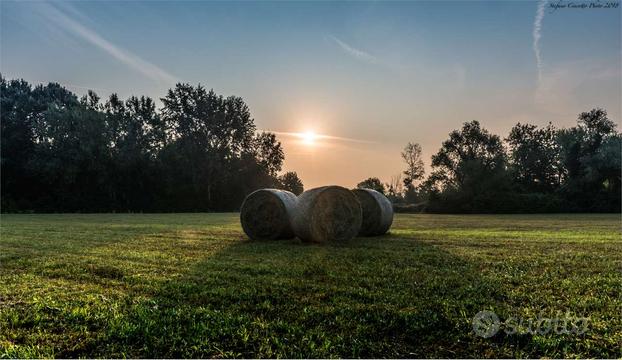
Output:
x,y
377,212
328,213
266,214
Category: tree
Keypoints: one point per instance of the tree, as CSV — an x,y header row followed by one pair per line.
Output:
x,y
268,152
90,101
201,152
291,182
414,164
467,149
414,171
534,155
142,113
469,170
596,127
136,134
395,189
591,165
604,168
207,135
24,128
372,183
207,119
17,124
72,157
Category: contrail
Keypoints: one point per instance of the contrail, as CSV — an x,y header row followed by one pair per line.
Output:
x,y
359,54
537,28
133,61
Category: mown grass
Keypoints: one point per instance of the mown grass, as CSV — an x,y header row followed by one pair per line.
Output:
x,y
191,285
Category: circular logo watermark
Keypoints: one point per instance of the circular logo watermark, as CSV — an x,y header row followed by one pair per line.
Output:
x,y
486,324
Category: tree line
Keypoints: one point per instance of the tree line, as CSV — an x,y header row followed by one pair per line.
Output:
x,y
199,152
534,169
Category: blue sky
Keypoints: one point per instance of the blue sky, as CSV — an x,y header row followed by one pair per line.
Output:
x,y
381,73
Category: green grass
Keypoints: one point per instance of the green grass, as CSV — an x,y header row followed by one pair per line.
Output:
x,y
192,285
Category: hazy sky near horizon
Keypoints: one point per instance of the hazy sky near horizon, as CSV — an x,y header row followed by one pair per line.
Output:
x,y
372,76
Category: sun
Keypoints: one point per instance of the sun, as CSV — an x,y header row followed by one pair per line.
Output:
x,y
308,137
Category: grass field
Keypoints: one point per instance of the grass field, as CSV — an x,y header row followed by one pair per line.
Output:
x,y
192,285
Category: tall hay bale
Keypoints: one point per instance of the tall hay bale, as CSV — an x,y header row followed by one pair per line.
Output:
x,y
328,213
377,212
266,214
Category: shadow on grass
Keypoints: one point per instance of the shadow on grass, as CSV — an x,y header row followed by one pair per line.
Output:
x,y
190,286
400,295
369,297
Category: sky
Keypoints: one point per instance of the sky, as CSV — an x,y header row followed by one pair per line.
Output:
x,y
365,77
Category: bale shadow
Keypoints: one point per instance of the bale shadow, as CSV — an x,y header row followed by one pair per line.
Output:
x,y
407,294
369,297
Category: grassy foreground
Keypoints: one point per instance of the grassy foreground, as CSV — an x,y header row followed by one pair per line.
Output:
x,y
191,285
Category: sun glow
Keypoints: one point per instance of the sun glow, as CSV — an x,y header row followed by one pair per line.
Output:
x,y
308,137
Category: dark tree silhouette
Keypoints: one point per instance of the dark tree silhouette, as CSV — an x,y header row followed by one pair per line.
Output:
x,y
372,183
534,155
469,171
467,154
590,155
414,171
414,164
291,182
201,152
198,153
267,150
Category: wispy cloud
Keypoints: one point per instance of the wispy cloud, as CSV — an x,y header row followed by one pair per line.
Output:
x,y
570,85
146,68
537,34
319,137
357,53
72,86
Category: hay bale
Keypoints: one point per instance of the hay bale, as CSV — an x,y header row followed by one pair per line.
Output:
x,y
266,214
328,213
377,212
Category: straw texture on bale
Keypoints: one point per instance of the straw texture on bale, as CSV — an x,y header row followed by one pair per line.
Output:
x,y
328,213
377,212
266,214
